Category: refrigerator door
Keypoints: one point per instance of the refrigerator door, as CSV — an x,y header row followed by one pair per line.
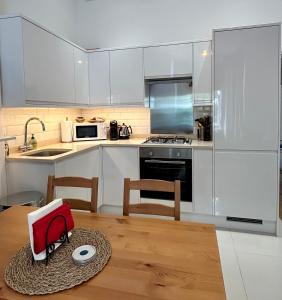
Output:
x,y
246,87
246,184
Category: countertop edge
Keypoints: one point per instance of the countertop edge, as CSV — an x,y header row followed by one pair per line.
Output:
x,y
87,146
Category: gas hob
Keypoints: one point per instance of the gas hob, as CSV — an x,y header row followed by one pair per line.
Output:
x,y
168,140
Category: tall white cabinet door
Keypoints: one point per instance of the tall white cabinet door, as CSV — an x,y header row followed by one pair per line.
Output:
x,y
86,165
81,76
99,78
202,73
127,78
119,163
202,181
246,184
48,66
168,61
246,67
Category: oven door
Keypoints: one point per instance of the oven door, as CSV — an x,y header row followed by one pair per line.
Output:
x,y
167,169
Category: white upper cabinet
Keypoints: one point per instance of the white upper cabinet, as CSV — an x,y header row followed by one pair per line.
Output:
x,y
168,61
48,66
246,67
99,78
81,77
127,76
39,67
202,73
246,184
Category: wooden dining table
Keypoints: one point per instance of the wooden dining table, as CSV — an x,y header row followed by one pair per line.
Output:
x,y
151,258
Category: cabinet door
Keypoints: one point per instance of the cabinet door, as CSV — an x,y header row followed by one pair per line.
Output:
x,y
202,181
48,66
168,61
246,184
99,78
247,88
119,163
127,79
81,77
202,73
86,165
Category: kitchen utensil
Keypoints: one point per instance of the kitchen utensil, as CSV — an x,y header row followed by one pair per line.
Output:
x,y
80,119
97,120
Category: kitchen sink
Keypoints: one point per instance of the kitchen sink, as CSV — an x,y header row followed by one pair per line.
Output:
x,y
47,152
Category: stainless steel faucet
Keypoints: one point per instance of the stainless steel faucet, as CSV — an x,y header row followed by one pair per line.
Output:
x,y
26,146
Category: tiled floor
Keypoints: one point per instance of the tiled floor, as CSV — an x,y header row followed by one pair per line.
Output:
x,y
251,265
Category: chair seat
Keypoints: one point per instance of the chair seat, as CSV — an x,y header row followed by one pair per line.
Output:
x,y
33,198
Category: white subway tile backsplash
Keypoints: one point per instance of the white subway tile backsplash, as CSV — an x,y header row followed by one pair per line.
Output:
x,y
138,118
14,120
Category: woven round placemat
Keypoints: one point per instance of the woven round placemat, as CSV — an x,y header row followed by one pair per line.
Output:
x,y
61,273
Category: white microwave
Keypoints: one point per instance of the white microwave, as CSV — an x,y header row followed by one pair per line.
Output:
x,y
89,131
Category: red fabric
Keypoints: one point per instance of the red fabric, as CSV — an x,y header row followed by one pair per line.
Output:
x,y
56,230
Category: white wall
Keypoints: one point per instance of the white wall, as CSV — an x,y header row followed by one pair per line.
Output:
x,y
110,23
56,15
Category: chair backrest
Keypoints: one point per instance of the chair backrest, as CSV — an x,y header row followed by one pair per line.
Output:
x,y
150,208
75,182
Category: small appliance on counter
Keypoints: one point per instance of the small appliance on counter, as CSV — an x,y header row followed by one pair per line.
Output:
x,y
89,131
66,131
114,130
125,132
204,128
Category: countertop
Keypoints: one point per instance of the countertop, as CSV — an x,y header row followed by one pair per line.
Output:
x,y
78,147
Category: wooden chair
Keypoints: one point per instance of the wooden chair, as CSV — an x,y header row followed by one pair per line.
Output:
x,y
75,182
149,208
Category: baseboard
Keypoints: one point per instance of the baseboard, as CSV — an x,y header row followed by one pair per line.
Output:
x,y
267,227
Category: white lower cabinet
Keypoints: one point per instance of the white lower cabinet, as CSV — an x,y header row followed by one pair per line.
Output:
x,y
28,176
119,163
202,181
86,164
246,184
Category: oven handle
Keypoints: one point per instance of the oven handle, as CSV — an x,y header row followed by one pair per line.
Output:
x,y
157,161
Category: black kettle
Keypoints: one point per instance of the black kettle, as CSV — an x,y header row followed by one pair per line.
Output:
x,y
125,131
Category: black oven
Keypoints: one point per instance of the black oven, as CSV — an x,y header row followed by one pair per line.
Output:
x,y
165,163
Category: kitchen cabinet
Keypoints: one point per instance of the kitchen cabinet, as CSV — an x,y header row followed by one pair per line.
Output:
x,y
99,78
127,77
86,164
119,163
81,77
246,184
28,176
202,73
38,67
246,68
48,66
168,61
202,181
